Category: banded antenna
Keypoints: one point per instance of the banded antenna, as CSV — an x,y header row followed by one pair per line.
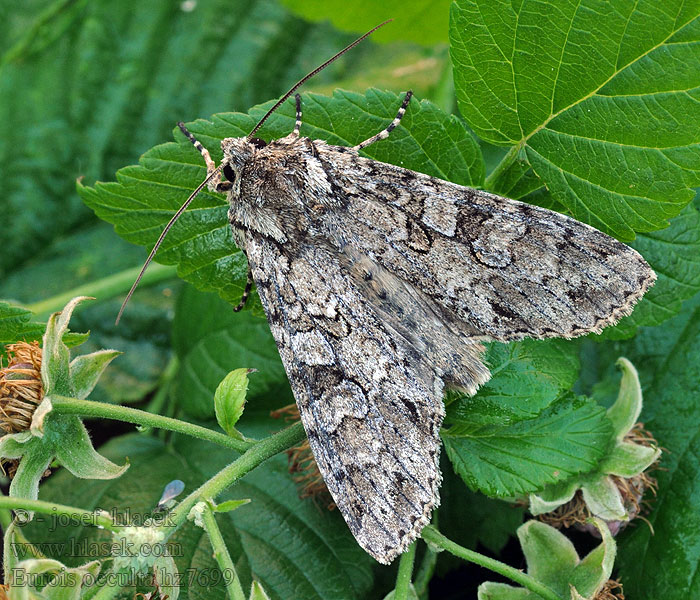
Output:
x,y
200,187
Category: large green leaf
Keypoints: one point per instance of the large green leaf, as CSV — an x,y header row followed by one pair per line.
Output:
x,y
526,377
507,460
201,243
421,21
600,96
674,254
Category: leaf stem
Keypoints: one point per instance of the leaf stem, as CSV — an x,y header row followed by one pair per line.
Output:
x,y
104,288
157,403
78,515
425,571
256,454
501,168
403,577
221,554
88,408
432,535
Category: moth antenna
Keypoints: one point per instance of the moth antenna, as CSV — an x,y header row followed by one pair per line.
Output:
x,y
174,218
317,70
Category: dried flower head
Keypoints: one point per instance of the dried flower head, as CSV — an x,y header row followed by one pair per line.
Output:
x,y
20,386
302,464
576,512
612,590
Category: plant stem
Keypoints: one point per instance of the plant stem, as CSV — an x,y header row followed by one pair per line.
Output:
x,y
501,168
222,556
78,515
425,572
432,535
403,577
256,454
87,408
156,404
104,288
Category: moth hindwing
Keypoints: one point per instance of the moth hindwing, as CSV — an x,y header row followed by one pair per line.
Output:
x,y
380,283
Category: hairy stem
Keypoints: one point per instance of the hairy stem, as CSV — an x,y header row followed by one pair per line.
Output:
x,y
157,404
425,572
87,408
255,455
222,556
403,577
105,288
432,535
78,515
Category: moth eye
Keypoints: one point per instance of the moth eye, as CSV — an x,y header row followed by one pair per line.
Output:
x,y
258,143
229,173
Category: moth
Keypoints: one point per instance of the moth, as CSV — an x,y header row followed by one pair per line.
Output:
x,y
380,285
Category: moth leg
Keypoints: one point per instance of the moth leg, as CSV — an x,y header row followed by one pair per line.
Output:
x,y
214,186
382,135
297,125
246,292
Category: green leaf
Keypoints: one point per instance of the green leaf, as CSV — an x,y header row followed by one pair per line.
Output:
x,y
16,325
75,452
599,95
421,21
55,366
595,569
674,254
625,412
86,369
218,341
201,242
628,460
230,505
551,556
229,400
506,460
69,584
257,592
526,377
603,499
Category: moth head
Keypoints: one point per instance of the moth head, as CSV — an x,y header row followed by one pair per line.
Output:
x,y
237,152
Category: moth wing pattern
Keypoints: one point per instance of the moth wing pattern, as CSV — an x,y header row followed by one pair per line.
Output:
x,y
371,405
495,268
